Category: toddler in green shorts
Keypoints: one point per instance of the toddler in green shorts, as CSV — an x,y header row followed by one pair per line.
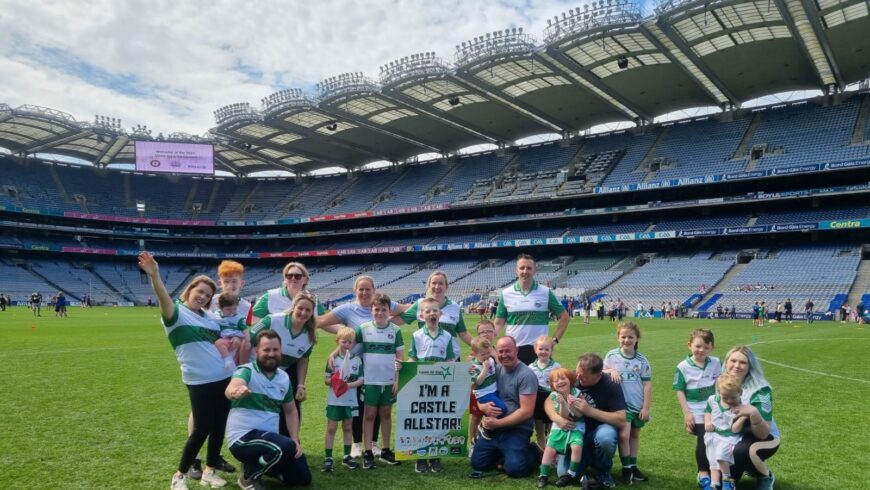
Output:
x,y
341,403
563,441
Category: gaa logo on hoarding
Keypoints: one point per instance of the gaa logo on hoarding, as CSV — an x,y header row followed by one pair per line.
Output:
x,y
155,163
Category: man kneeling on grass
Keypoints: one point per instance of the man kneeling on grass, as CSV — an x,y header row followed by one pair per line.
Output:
x,y
258,390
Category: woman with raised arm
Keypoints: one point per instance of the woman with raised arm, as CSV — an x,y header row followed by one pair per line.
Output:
x,y
451,314
192,333
760,437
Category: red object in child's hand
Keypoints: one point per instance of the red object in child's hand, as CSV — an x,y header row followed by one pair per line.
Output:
x,y
339,386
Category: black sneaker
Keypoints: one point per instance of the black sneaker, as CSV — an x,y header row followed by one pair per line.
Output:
x,y
422,466
627,476
368,461
224,465
327,465
195,471
541,482
435,466
388,457
349,462
566,480
484,434
636,475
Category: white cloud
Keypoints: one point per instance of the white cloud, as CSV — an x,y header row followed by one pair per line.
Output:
x,y
170,64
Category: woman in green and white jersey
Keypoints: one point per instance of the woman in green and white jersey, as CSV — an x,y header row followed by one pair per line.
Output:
x,y
278,300
296,328
760,439
192,333
451,314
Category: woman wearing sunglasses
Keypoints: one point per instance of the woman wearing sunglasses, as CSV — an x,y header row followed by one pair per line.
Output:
x,y
279,300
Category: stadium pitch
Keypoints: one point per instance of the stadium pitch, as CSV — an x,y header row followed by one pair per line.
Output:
x,y
96,401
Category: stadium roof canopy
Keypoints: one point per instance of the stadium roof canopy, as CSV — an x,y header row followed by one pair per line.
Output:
x,y
600,63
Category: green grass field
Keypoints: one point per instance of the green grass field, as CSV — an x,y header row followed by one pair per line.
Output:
x,y
96,401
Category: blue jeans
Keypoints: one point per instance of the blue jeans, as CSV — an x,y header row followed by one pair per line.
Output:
x,y
598,451
520,457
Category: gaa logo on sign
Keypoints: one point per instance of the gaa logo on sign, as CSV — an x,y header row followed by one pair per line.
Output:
x,y
155,163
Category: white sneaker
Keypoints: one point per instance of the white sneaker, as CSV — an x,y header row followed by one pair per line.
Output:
x,y
355,451
376,450
211,479
179,482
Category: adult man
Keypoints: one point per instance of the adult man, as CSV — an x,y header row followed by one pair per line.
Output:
x,y
35,302
526,307
603,407
788,311
808,310
509,432
258,391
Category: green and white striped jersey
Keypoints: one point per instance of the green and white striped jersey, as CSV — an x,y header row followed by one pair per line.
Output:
x,y
260,409
527,314
634,371
426,348
293,347
697,382
192,335
379,347
451,320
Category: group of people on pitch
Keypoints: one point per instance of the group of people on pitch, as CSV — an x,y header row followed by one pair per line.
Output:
x,y
584,414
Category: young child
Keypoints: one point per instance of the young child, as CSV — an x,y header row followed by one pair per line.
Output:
x,y
342,408
542,367
485,330
233,327
231,280
483,385
723,430
694,382
381,343
563,393
631,369
431,344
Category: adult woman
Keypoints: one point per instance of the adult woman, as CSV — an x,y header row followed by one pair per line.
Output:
x,y
353,315
280,299
295,327
192,332
761,436
451,314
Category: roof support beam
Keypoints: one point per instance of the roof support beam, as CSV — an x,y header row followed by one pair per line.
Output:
x,y
593,83
58,140
494,93
226,165
396,96
110,151
578,81
333,110
256,142
672,45
277,121
808,30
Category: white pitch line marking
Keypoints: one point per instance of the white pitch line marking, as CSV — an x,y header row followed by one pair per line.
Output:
x,y
818,373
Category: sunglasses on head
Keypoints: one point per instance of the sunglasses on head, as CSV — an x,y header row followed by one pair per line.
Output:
x,y
294,275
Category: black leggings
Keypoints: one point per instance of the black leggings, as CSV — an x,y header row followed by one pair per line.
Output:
x,y
282,423
357,423
210,408
526,354
749,445
701,448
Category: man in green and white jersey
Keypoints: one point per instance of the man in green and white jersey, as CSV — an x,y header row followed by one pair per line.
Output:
x,y
525,308
258,392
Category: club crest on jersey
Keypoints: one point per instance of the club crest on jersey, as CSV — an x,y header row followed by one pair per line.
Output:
x,y
538,304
